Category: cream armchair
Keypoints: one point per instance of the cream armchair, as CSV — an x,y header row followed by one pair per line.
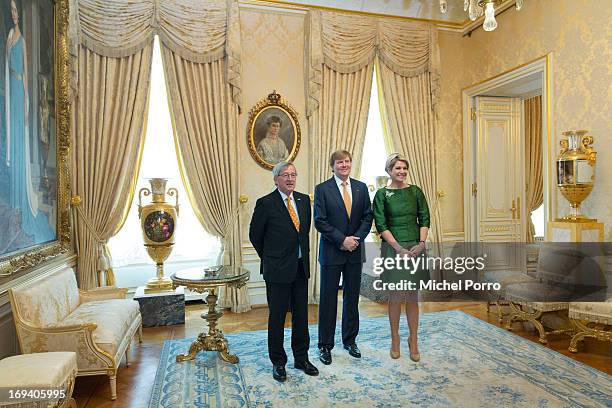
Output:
x,y
52,314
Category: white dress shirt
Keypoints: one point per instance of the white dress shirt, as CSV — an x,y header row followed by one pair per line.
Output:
x,y
348,187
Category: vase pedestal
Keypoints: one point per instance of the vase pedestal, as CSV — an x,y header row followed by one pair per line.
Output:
x,y
162,308
570,231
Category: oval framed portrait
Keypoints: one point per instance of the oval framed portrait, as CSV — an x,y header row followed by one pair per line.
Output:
x,y
273,131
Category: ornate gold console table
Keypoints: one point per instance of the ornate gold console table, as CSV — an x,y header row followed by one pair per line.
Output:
x,y
200,280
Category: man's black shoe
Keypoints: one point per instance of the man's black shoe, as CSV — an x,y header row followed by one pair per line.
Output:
x,y
307,367
353,350
325,355
279,373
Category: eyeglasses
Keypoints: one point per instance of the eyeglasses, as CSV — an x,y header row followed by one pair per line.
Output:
x,y
288,175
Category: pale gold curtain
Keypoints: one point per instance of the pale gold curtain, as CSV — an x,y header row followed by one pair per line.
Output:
x,y
411,121
339,123
201,49
198,31
109,128
205,123
533,159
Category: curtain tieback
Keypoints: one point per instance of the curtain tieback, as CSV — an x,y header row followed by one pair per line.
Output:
x,y
104,255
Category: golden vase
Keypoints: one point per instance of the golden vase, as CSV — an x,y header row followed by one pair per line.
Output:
x,y
576,171
158,223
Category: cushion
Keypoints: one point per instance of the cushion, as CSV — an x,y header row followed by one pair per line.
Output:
x,y
38,370
113,317
507,277
597,312
537,293
49,300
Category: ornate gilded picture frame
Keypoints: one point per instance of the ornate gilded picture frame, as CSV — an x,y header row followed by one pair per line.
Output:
x,y
34,134
273,131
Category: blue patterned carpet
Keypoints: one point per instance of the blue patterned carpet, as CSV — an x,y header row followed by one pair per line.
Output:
x,y
465,362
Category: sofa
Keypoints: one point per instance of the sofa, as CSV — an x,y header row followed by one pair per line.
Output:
x,y
52,314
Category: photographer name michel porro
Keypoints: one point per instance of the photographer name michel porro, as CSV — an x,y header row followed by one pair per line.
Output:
x,y
458,265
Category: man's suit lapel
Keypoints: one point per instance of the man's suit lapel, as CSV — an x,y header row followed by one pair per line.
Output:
x,y
356,190
300,210
283,208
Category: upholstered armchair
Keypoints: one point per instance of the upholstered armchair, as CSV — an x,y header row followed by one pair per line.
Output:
x,y
52,314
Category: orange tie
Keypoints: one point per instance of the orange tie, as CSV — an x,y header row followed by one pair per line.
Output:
x,y
293,214
347,198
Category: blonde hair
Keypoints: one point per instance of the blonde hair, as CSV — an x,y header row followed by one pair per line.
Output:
x,y
394,158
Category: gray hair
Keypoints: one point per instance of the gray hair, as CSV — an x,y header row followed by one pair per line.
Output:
x,y
280,166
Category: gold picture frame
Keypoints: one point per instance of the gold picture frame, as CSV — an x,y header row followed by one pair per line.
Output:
x,y
273,131
16,263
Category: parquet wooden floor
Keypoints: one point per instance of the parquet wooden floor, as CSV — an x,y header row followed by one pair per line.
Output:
x,y
134,383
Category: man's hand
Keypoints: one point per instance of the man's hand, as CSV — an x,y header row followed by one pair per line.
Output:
x,y
350,243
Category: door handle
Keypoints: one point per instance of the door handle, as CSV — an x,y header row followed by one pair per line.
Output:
x,y
518,208
513,209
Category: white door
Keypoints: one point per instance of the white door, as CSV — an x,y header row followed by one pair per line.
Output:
x,y
499,186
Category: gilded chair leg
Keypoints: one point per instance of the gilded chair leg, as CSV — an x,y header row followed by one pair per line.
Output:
x,y
140,333
500,315
488,306
113,385
573,347
541,331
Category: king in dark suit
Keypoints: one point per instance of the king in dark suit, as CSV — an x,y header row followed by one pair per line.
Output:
x,y
343,216
279,233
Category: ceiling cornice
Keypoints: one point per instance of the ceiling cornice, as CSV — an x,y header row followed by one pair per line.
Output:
x,y
464,28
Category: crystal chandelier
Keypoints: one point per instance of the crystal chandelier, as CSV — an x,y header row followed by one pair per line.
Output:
x,y
477,8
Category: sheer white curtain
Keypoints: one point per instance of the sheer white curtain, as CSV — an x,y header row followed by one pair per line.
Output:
x,y
159,160
375,150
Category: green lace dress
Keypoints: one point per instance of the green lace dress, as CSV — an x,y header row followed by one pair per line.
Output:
x,y
403,212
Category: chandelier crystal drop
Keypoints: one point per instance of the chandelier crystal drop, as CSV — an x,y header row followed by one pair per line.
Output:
x,y
489,23
476,8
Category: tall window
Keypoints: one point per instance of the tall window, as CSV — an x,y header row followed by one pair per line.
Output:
x,y
374,152
537,217
192,243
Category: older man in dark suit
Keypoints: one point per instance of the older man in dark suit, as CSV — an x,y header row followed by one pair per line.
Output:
x,y
343,215
279,233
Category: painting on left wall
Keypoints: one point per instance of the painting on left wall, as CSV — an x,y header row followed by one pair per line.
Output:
x,y
30,116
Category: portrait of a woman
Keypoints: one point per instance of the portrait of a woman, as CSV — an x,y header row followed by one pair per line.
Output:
x,y
23,196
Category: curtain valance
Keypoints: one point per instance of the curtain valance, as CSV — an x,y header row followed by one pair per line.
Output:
x,y
350,42
196,30
347,43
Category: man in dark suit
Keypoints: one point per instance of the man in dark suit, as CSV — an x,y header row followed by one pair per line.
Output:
x,y
343,216
279,233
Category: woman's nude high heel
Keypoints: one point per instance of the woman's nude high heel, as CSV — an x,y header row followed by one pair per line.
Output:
x,y
394,354
416,357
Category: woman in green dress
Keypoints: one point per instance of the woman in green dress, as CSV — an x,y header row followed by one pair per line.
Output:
x,y
401,216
